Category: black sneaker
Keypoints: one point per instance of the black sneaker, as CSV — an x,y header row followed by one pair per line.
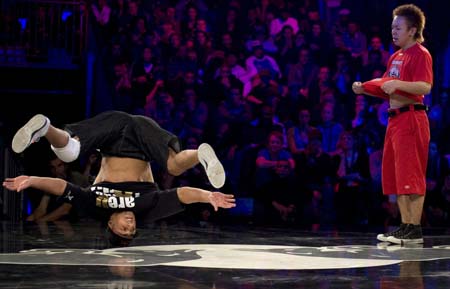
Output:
x,y
384,237
411,235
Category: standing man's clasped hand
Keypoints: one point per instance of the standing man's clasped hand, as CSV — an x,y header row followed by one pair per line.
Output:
x,y
389,87
357,87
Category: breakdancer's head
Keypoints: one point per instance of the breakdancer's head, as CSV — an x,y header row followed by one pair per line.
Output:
x,y
121,228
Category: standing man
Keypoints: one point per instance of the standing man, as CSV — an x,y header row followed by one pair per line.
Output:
x,y
408,78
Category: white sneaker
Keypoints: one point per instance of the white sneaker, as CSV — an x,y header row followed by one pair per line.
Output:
x,y
30,133
213,168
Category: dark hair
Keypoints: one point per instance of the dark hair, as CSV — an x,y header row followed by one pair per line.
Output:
x,y
315,134
375,53
115,240
277,134
415,18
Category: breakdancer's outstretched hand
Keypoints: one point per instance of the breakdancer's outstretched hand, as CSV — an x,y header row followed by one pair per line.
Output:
x,y
220,200
17,184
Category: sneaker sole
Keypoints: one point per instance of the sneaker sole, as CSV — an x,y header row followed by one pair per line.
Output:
x,y
213,168
26,134
405,241
397,247
384,245
393,248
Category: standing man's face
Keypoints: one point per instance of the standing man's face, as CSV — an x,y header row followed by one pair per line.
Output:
x,y
402,34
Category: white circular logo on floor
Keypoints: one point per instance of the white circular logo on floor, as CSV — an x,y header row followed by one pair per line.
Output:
x,y
231,256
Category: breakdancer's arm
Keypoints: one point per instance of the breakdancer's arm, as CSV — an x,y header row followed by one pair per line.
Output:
x,y
52,186
189,195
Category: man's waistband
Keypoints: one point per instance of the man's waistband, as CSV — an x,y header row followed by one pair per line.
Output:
x,y
412,107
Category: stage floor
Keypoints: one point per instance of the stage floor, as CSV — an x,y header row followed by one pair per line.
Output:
x,y
63,255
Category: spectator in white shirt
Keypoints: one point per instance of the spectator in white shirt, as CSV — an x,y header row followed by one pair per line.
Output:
x,y
277,24
102,12
244,75
266,66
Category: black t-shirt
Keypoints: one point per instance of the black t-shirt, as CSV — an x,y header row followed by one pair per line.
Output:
x,y
144,199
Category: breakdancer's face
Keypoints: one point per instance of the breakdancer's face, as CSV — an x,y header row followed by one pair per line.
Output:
x,y
402,32
123,224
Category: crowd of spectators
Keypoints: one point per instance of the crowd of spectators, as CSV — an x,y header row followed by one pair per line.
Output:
x,y
268,84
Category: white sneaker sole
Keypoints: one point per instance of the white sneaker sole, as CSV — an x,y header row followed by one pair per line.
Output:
x,y
384,245
29,133
404,241
213,168
396,247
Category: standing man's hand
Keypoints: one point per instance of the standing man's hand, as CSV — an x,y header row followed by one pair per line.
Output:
x,y
389,87
357,87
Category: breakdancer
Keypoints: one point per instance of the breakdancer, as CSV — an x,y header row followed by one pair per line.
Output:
x,y
124,188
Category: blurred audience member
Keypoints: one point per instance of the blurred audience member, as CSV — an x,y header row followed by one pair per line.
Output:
x,y
51,208
275,182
